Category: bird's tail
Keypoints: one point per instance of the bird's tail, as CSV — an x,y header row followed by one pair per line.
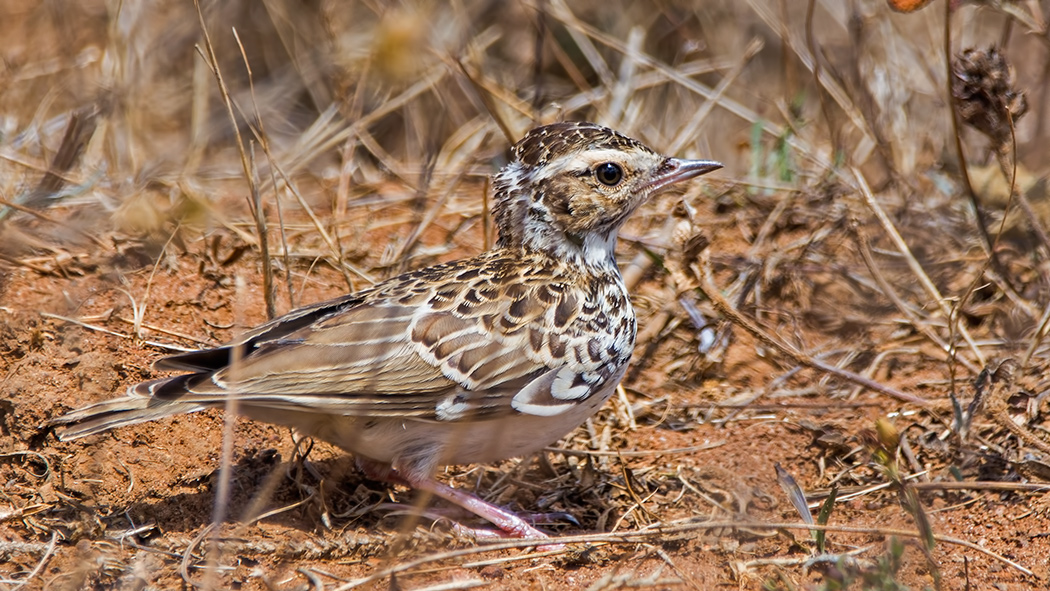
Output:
x,y
139,406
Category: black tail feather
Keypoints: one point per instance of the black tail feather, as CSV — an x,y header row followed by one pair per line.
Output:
x,y
144,402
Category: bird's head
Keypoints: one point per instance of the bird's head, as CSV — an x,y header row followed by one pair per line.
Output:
x,y
572,185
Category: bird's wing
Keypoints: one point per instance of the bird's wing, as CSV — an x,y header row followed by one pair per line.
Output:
x,y
455,342
217,358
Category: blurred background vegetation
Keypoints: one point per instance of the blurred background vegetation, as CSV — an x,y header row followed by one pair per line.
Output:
x,y
844,224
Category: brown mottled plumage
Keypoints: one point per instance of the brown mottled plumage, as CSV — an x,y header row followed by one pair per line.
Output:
x,y
475,360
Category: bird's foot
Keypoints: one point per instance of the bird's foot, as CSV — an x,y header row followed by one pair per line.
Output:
x,y
509,524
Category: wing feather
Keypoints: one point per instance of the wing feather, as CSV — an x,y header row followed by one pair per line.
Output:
x,y
428,346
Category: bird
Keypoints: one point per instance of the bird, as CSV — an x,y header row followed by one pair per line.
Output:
x,y
466,362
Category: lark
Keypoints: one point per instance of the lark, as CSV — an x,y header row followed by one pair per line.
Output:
x,y
471,361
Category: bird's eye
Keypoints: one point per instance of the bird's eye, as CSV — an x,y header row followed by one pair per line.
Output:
x,y
609,174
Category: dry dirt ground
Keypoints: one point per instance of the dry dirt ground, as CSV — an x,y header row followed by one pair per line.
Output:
x,y
789,347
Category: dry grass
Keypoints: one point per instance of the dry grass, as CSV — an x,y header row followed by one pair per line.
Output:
x,y
833,301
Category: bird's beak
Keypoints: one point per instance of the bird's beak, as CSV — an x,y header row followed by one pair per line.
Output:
x,y
676,170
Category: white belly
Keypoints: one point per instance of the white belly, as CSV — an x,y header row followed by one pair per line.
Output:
x,y
423,445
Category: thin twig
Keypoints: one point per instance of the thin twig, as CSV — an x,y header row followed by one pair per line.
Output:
x,y
688,132
96,328
811,43
703,272
913,264
40,563
890,292
257,204
660,532
964,173
170,333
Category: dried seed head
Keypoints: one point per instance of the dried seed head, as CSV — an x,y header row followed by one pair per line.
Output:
x,y
984,92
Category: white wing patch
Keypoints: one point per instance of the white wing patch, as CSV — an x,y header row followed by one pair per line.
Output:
x,y
538,398
563,389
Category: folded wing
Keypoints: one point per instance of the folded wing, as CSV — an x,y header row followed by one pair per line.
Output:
x,y
446,344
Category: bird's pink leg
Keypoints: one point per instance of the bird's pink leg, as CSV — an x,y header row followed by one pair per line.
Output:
x,y
509,523
513,525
